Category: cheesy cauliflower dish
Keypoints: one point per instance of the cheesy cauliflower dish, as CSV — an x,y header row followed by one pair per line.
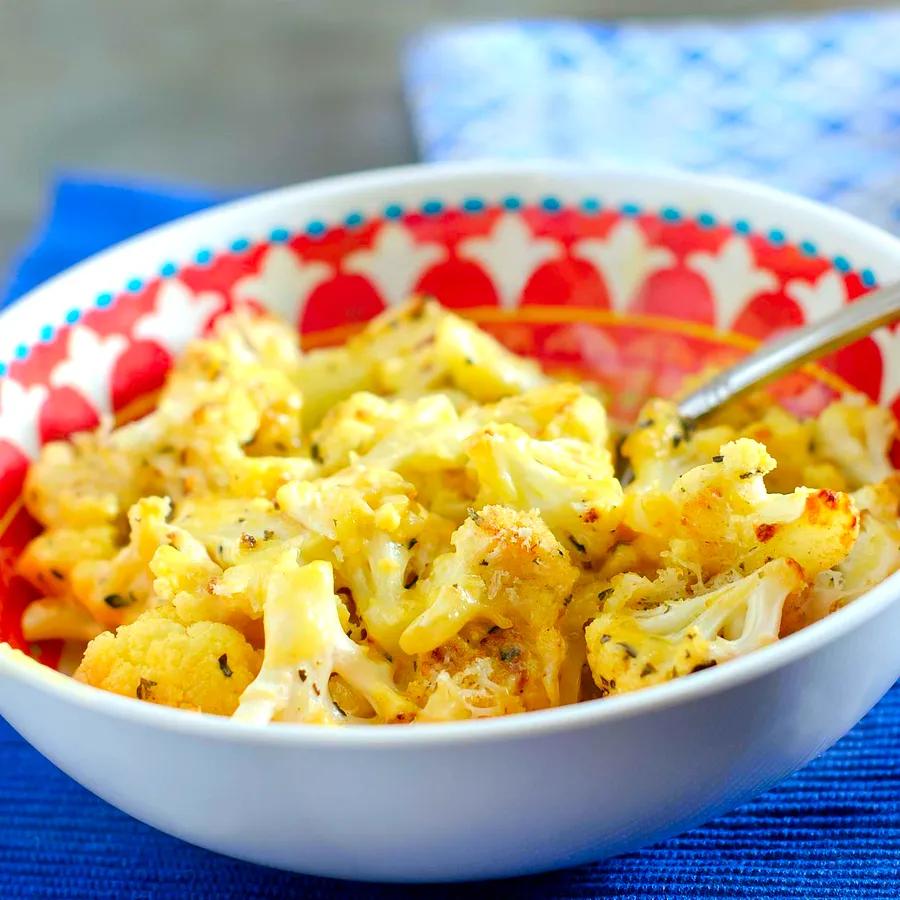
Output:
x,y
421,526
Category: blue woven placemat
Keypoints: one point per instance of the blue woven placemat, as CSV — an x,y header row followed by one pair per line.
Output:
x,y
833,830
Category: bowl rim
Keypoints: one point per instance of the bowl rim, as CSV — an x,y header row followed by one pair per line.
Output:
x,y
29,673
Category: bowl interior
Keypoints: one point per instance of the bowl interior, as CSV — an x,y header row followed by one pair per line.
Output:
x,y
634,295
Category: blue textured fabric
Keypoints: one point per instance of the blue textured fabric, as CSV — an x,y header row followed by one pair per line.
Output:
x,y
811,105
831,831
87,215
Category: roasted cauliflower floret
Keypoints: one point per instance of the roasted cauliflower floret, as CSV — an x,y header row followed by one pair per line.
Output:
x,y
117,590
305,645
256,338
422,347
875,556
718,517
585,603
205,666
856,436
233,529
379,533
83,483
484,671
662,446
352,427
638,640
48,560
568,481
506,569
792,444
420,439
558,410
55,618
479,365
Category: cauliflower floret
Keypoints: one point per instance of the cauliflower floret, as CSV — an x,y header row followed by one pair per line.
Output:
x,y
639,640
305,645
422,347
82,483
198,589
506,568
421,439
48,560
875,556
585,603
117,590
353,427
718,517
378,533
234,529
328,376
568,481
856,436
479,365
662,446
558,410
792,443
227,420
426,448
470,693
205,666
482,672
208,438
258,338
58,618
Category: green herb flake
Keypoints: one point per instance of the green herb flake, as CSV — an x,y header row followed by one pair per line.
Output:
x,y
508,654
577,545
701,666
117,601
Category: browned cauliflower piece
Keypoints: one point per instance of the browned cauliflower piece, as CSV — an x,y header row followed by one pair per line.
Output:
x,y
643,637
506,569
568,481
718,518
484,671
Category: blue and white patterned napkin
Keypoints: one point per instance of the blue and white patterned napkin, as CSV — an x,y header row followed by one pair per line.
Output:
x,y
811,105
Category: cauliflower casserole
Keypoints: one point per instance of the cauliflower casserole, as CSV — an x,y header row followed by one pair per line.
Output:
x,y
421,526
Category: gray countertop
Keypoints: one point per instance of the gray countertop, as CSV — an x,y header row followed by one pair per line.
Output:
x,y
229,93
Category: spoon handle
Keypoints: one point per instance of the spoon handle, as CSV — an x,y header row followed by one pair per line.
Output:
x,y
793,348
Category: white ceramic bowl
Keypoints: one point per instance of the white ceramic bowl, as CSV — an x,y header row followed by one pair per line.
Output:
x,y
466,800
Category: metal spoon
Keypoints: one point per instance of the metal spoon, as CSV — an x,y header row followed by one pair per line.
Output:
x,y
788,352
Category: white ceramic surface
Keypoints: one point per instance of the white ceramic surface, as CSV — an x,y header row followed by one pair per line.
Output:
x,y
482,799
